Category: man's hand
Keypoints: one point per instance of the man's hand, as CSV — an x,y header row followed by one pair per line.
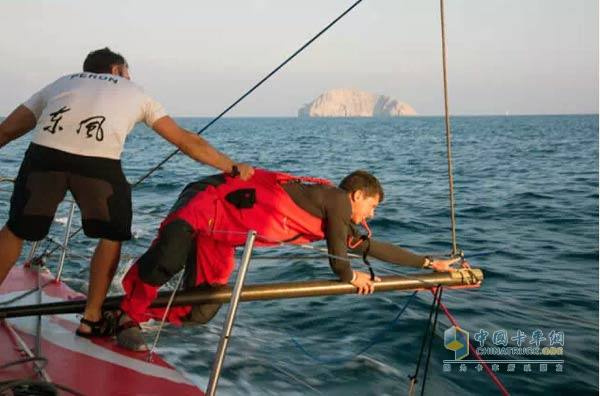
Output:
x,y
447,265
363,282
245,171
18,123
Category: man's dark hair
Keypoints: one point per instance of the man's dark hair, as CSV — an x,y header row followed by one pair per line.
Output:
x,y
364,181
100,61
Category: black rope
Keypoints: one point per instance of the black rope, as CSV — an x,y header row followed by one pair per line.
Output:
x,y
26,360
27,387
290,257
309,42
426,333
437,310
58,246
365,260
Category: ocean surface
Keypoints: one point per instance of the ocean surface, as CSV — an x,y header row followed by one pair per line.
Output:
x,y
527,214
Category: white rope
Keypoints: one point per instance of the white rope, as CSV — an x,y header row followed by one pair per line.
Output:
x,y
164,318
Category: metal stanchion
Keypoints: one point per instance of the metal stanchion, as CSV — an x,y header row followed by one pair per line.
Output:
x,y
228,325
31,254
38,326
65,243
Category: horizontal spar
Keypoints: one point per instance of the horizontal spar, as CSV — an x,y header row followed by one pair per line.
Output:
x,y
271,291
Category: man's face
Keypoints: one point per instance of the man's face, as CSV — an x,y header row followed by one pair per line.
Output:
x,y
363,207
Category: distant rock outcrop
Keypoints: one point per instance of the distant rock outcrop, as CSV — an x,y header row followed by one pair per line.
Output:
x,y
354,103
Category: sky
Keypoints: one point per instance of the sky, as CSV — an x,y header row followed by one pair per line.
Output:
x,y
197,57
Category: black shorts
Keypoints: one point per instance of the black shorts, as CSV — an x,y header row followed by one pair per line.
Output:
x,y
97,184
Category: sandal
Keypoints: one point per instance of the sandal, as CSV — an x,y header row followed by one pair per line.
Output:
x,y
129,334
104,327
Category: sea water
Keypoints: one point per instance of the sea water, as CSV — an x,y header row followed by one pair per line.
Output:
x,y
526,212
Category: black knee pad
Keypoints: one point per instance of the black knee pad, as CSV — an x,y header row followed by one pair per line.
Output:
x,y
168,255
201,314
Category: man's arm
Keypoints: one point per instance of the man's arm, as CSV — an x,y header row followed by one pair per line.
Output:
x,y
17,124
390,253
197,148
396,255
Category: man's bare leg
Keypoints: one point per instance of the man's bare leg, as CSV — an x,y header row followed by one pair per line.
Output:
x,y
10,250
102,270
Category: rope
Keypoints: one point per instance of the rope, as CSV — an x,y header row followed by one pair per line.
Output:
x,y
437,301
26,360
413,378
374,340
164,318
487,368
33,387
448,132
309,42
277,242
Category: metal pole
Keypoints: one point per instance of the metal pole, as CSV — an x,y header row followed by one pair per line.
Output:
x,y
39,368
38,327
448,132
228,325
462,278
34,246
63,254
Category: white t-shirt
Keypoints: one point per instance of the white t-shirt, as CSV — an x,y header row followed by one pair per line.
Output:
x,y
90,114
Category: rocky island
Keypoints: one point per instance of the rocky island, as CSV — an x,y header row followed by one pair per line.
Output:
x,y
354,103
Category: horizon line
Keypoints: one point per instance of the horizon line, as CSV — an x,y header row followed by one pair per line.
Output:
x,y
405,116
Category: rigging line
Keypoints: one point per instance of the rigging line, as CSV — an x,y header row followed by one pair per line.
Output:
x,y
295,378
437,302
472,349
164,318
448,132
277,242
309,42
426,334
40,359
29,386
593,324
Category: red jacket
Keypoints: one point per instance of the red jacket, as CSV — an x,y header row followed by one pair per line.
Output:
x,y
228,211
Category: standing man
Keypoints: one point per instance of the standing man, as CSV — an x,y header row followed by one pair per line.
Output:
x,y
81,121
